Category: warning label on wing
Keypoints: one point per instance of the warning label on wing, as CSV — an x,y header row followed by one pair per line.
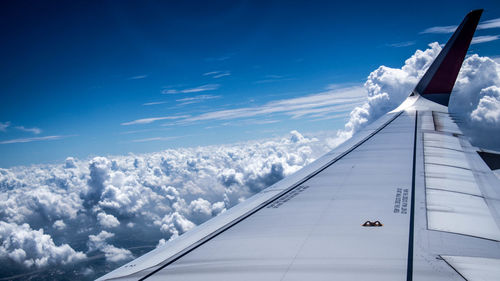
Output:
x,y
401,201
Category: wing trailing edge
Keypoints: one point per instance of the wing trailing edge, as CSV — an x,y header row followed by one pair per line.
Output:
x,y
437,83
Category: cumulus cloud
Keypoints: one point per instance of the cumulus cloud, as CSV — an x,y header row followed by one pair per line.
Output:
x,y
107,221
488,108
474,100
387,88
112,253
33,248
59,225
140,198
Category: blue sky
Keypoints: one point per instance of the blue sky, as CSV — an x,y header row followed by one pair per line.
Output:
x,y
81,79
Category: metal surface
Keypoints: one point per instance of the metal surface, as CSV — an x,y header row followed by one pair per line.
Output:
x,y
317,233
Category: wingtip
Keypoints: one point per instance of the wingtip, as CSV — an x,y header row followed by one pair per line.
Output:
x,y
439,80
476,12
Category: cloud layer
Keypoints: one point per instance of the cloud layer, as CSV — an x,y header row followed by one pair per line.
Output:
x,y
104,211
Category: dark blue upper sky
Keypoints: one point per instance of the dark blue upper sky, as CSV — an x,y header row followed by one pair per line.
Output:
x,y
75,75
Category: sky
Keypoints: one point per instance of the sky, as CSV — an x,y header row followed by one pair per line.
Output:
x,y
85,78
125,124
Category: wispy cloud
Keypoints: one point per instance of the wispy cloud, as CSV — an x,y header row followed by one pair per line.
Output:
x,y
483,39
202,88
221,58
272,78
143,131
4,126
196,99
494,23
33,130
138,77
401,44
154,103
440,29
24,140
155,139
217,74
153,119
315,105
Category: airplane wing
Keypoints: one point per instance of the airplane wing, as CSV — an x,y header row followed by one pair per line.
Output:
x,y
407,198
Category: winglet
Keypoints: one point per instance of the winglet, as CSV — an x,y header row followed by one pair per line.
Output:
x,y
438,81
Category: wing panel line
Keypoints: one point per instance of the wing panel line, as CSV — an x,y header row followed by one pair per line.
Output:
x,y
409,267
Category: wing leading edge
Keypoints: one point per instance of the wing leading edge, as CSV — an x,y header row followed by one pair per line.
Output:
x,y
412,170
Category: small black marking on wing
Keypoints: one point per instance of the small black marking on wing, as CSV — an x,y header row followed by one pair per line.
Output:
x,y
287,197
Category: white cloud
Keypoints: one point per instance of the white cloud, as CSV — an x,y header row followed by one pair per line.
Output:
x,y
340,98
24,140
440,29
112,253
138,77
217,74
153,119
273,78
4,126
483,39
107,221
488,108
320,104
494,23
474,96
155,139
97,242
33,248
203,88
196,99
166,192
154,103
221,58
401,44
33,130
59,225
